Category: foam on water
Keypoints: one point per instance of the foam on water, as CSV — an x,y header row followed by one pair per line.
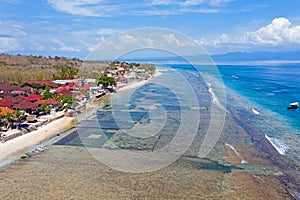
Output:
x,y
255,111
279,145
260,96
243,161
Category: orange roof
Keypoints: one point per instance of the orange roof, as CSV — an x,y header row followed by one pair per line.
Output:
x,y
5,111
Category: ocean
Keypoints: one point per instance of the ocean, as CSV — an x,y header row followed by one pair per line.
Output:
x,y
164,128
266,91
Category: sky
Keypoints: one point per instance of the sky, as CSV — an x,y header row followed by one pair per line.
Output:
x,y
74,28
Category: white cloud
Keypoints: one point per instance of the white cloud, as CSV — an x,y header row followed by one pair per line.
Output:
x,y
162,2
201,10
143,39
201,2
79,7
274,33
11,29
293,34
36,46
128,38
60,46
11,1
102,8
11,33
280,32
107,31
223,39
149,42
219,2
9,44
193,2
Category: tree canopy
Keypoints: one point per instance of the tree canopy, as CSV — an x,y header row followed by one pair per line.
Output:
x,y
106,81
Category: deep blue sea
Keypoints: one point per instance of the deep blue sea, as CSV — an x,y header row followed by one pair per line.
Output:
x,y
269,89
272,87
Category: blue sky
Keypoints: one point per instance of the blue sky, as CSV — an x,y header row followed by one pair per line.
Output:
x,y
73,28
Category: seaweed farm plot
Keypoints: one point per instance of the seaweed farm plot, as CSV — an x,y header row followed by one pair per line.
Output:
x,y
95,132
113,120
94,138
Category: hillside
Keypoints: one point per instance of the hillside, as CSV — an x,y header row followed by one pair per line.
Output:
x,y
19,68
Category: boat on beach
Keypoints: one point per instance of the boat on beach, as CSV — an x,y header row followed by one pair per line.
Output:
x,y
293,105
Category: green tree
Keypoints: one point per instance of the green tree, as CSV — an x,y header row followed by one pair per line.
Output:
x,y
106,81
47,94
19,116
65,72
8,120
45,108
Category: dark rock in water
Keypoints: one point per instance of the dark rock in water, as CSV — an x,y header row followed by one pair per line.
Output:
x,y
24,157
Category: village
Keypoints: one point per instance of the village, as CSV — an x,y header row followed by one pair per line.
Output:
x,y
31,104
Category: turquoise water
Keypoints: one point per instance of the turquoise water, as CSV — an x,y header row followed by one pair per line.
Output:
x,y
272,87
269,90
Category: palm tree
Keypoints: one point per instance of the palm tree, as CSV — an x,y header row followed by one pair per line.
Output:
x,y
8,120
19,116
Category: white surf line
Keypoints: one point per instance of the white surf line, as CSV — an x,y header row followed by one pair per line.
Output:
x,y
243,161
214,98
280,147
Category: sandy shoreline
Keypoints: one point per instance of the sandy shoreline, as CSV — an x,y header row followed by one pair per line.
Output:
x,y
256,171
22,142
137,84
19,143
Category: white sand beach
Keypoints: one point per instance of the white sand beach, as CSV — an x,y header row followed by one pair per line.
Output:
x,y
136,84
19,143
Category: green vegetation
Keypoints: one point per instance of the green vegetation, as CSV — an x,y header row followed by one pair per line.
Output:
x,y
45,108
9,119
214,165
106,81
47,94
147,67
65,72
19,69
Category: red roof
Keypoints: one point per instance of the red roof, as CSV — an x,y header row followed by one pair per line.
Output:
x,y
48,102
7,87
33,97
64,91
25,105
5,103
12,99
26,88
86,86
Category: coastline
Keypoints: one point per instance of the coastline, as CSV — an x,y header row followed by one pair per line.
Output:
x,y
136,84
254,181
13,146
20,143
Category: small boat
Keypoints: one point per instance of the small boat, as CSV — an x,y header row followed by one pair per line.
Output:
x,y
235,77
293,105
